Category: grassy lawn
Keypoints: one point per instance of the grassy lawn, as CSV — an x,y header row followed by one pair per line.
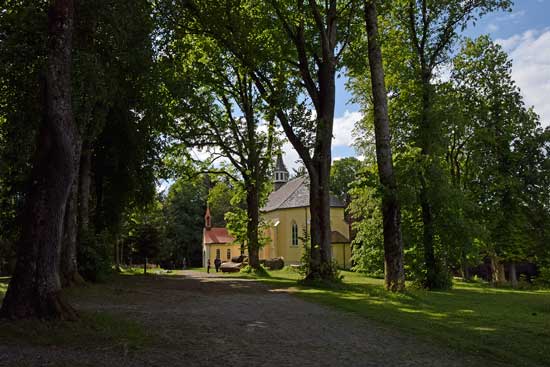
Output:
x,y
512,326
92,330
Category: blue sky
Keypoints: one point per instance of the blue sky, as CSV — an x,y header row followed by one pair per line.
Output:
x,y
525,35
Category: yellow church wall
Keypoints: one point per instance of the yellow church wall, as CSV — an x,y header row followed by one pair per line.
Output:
x,y
281,234
341,252
212,248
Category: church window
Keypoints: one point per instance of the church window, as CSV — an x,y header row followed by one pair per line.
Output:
x,y
218,253
228,254
294,234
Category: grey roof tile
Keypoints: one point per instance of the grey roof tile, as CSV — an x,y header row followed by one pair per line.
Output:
x,y
294,194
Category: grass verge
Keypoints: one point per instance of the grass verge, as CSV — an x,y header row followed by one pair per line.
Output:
x,y
510,326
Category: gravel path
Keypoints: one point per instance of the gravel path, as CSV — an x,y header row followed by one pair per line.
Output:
x,y
205,320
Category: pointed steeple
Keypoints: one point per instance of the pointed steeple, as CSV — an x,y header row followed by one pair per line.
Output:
x,y
207,219
280,172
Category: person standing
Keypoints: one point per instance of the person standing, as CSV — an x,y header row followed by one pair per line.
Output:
x,y
208,267
217,264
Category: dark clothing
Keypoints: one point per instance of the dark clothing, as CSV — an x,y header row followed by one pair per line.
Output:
x,y
217,264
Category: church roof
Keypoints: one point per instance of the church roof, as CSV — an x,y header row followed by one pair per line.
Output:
x,y
217,235
337,237
294,194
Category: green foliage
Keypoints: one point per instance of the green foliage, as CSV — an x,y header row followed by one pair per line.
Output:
x,y
183,210
219,202
368,244
342,173
304,270
94,256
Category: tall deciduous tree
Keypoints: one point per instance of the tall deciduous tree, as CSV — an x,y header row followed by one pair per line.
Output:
x,y
391,212
291,50
432,30
225,111
35,289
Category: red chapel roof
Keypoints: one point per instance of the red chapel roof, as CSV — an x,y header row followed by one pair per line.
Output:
x,y
217,235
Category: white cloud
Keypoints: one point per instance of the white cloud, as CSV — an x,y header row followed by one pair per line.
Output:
x,y
343,128
513,16
530,53
492,27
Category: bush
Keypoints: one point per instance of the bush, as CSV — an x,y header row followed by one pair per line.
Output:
x,y
94,259
543,278
304,268
261,272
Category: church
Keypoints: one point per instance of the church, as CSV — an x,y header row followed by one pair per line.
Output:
x,y
287,215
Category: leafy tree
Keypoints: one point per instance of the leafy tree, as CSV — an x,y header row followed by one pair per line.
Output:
x,y
222,109
342,173
35,290
219,201
257,33
505,152
184,210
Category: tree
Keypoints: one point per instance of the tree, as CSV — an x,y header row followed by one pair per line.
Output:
x,y
35,288
432,29
184,210
342,173
505,154
256,33
22,57
222,109
391,212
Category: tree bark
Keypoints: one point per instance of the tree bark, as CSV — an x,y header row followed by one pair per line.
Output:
x,y
513,276
253,215
84,187
497,268
35,288
394,273
69,264
426,138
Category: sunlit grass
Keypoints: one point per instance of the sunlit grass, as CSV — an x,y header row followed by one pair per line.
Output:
x,y
3,286
511,326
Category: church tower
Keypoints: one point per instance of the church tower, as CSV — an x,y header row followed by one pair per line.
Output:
x,y
280,173
207,219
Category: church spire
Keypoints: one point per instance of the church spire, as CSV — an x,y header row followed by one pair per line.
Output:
x,y
280,172
207,219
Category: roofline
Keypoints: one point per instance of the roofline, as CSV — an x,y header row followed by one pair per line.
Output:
x,y
298,207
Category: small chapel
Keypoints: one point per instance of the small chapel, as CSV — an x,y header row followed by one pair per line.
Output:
x,y
287,215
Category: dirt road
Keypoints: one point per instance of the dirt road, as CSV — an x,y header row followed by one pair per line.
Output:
x,y
206,320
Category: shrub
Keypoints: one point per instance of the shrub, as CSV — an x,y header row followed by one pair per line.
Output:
x,y
94,259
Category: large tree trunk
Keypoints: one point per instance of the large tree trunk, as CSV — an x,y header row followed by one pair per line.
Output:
x,y
512,275
391,213
35,289
427,138
253,214
84,188
321,266
497,270
69,264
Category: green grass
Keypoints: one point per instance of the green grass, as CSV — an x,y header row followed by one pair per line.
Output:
x,y
92,330
512,326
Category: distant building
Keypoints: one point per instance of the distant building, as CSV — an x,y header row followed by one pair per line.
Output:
x,y
287,212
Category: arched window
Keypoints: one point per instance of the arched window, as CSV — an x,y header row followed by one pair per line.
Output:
x,y
218,253
228,254
294,234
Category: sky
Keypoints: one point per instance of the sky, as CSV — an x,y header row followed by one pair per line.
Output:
x,y
524,33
